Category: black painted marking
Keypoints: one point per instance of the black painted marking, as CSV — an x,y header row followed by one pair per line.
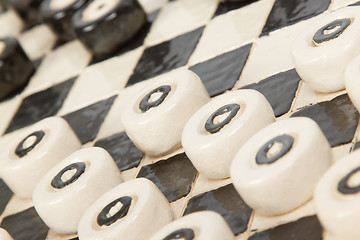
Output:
x,y
343,186
287,143
184,233
21,151
212,127
58,183
320,36
103,218
145,105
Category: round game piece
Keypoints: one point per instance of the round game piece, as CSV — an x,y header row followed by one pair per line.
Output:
x,y
58,14
352,76
103,26
28,10
26,156
133,210
322,52
15,67
203,225
4,235
337,198
68,189
215,133
154,119
277,169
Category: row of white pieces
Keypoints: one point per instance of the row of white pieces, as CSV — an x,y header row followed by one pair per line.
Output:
x,y
175,110
68,202
155,131
66,191
274,162
167,111
204,225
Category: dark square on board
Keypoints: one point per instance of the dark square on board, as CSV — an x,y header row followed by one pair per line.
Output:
x,y
227,202
86,122
279,89
174,176
337,118
308,228
227,6
285,13
25,225
220,73
40,105
122,150
165,56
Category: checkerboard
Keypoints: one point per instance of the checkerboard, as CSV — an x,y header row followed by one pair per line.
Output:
x,y
229,45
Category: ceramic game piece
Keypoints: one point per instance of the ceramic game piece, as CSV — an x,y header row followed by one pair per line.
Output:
x,y
68,189
4,235
203,225
337,198
277,169
322,52
105,25
154,119
58,14
133,210
352,75
15,67
26,156
215,133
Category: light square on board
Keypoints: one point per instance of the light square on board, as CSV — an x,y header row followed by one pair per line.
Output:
x,y
231,30
179,17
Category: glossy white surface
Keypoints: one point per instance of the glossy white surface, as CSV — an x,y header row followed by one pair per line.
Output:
x,y
338,212
149,211
231,30
159,129
23,174
61,209
352,78
288,182
206,225
179,17
4,235
212,154
322,66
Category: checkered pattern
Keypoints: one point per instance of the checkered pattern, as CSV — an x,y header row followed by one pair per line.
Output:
x,y
230,45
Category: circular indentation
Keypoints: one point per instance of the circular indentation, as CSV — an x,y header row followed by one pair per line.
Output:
x,y
184,233
347,184
214,123
274,149
331,30
98,9
114,211
29,143
153,99
67,175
